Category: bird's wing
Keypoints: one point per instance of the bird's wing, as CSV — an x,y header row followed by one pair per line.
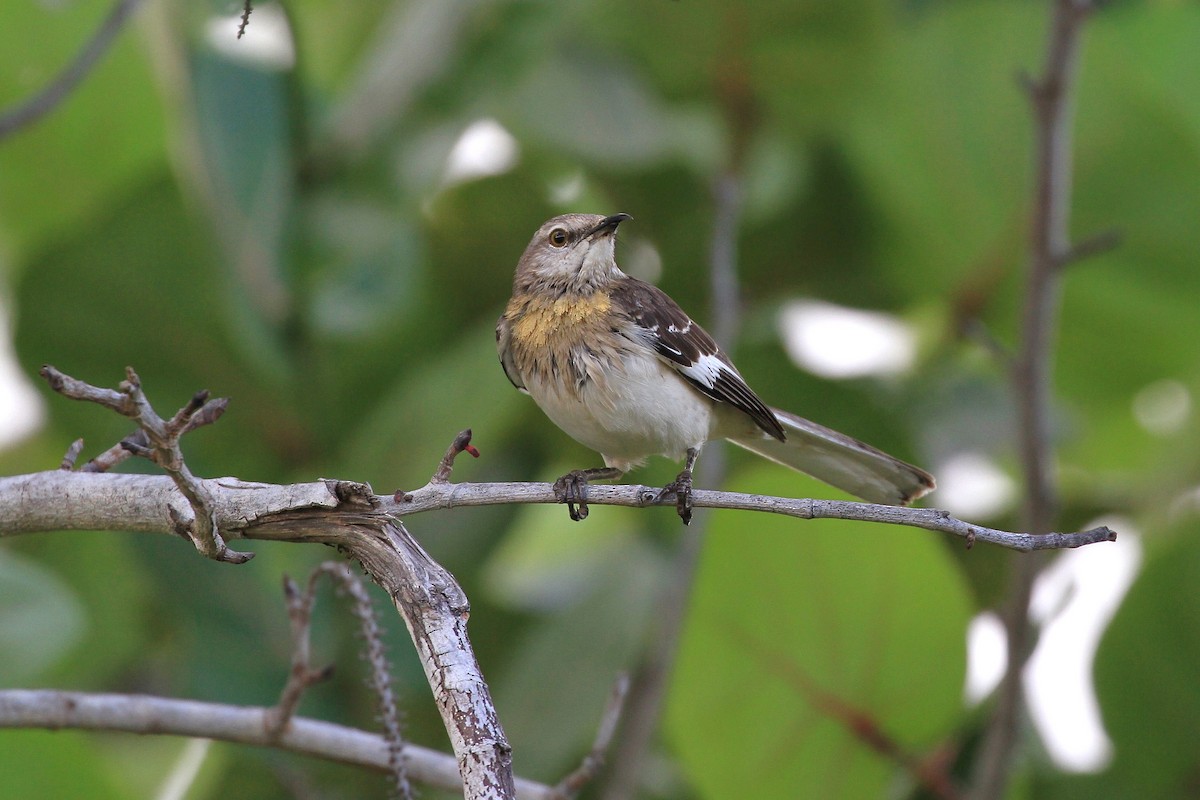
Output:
x,y
661,324
503,349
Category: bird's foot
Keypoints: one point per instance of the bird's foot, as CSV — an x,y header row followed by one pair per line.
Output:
x,y
572,488
681,487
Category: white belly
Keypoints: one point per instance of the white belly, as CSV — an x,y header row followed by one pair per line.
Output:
x,y
646,409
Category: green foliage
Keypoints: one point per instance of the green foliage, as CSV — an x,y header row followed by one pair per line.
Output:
x,y
69,764
40,618
796,638
286,237
1145,677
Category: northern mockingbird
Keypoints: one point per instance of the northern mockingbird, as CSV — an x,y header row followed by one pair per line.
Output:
x,y
614,362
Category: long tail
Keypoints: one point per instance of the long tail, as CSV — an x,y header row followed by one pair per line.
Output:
x,y
841,461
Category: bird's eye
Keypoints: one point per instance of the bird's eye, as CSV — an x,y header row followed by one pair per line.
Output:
x,y
558,237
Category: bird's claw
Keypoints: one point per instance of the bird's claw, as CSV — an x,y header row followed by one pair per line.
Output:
x,y
681,487
572,490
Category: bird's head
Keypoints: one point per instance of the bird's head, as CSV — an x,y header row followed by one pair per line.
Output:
x,y
572,251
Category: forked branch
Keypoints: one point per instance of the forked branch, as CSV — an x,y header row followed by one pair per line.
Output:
x,y
158,440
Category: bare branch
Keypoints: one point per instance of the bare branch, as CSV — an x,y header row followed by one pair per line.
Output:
x,y
1052,98
247,7
55,710
457,495
160,444
57,500
72,455
137,441
349,516
461,442
301,675
45,101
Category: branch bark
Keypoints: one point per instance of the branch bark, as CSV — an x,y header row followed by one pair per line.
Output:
x,y
157,440
55,710
460,495
57,500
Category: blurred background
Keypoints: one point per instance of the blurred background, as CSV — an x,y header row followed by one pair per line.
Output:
x,y
320,221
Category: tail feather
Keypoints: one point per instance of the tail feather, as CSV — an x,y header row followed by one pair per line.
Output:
x,y
840,461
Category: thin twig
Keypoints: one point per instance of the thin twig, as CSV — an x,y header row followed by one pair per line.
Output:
x,y
247,7
446,466
433,497
45,101
1052,98
380,677
161,445
137,441
72,455
570,786
301,675
977,331
1091,247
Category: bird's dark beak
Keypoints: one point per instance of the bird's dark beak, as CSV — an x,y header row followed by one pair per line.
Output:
x,y
609,224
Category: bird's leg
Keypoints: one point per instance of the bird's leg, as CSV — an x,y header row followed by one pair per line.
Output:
x,y
681,487
572,488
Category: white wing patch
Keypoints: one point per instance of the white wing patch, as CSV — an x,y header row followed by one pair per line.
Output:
x,y
707,369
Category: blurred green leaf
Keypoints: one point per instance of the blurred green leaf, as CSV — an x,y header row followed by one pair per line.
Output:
x,y
941,138
106,135
47,765
246,178
1146,675
540,565
801,634
139,287
112,632
552,692
592,106
41,619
